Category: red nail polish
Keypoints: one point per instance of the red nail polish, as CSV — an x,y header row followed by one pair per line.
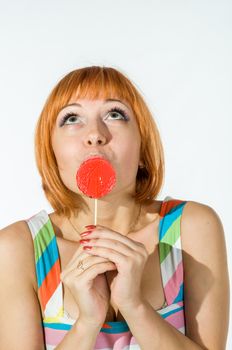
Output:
x,y
83,234
87,247
90,227
83,241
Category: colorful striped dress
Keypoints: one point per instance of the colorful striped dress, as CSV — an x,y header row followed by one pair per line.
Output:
x,y
113,335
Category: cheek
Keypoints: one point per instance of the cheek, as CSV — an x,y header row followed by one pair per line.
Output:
x,y
132,159
66,154
130,156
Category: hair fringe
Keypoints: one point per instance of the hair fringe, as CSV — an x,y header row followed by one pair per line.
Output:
x,y
92,83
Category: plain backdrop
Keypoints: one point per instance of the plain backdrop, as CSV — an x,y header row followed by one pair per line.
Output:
x,y
177,53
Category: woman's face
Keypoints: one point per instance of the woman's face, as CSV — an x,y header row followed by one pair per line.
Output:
x,y
108,128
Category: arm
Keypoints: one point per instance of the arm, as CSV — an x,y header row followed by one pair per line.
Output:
x,y
20,316
206,290
80,337
20,319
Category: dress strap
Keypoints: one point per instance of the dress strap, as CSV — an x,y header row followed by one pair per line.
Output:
x,y
170,250
47,264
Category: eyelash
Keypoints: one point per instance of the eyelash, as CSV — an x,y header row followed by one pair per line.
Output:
x,y
114,109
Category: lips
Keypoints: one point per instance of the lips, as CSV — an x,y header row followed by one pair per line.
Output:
x,y
95,155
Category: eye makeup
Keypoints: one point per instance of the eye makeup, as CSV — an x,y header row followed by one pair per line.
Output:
x,y
119,110
67,116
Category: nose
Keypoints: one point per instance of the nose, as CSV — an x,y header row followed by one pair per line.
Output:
x,y
96,140
96,136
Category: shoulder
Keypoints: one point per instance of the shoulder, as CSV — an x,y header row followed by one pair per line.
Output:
x,y
202,235
201,226
16,235
17,250
18,297
206,277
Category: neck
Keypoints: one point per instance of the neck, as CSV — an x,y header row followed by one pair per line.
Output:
x,y
120,214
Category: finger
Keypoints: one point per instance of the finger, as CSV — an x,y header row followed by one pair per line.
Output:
x,y
95,269
110,254
104,233
87,261
78,255
92,271
78,252
112,244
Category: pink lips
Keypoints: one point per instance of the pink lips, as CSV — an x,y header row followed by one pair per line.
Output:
x,y
95,155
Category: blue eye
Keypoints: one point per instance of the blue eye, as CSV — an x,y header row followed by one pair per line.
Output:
x,y
118,111
68,116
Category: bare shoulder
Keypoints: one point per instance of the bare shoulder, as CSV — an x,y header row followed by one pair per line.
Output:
x,y
16,247
18,299
206,277
200,226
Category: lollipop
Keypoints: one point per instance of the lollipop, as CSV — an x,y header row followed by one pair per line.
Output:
x,y
96,178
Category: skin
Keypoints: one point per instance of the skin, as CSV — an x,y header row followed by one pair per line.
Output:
x,y
206,283
97,131
200,225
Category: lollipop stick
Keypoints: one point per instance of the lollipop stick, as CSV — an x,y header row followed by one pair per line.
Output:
x,y
95,211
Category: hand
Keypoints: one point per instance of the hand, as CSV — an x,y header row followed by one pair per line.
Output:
x,y
89,287
129,257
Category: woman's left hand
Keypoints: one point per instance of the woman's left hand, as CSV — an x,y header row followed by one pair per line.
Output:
x,y
129,257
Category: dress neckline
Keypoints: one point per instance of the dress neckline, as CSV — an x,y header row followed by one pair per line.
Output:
x,y
110,324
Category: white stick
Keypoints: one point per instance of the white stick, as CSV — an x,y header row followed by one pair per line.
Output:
x,y
95,211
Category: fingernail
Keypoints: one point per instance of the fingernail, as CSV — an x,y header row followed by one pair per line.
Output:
x,y
90,227
83,234
83,241
87,247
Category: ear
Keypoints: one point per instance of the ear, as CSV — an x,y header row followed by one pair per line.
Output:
x,y
141,165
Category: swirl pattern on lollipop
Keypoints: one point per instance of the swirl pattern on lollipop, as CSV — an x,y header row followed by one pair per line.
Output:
x,y
96,177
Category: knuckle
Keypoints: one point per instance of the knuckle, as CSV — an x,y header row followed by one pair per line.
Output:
x,y
128,261
140,258
143,250
117,244
146,254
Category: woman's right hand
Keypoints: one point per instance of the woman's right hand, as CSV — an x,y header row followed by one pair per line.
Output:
x,y
89,287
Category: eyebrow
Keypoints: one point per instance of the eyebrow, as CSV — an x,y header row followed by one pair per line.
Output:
x,y
105,101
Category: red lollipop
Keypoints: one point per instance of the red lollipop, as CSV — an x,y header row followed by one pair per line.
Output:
x,y
96,177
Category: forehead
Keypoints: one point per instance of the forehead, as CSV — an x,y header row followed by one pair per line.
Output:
x,y
98,89
81,102
74,90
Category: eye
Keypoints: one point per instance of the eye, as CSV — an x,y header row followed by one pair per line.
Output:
x,y
117,114
70,117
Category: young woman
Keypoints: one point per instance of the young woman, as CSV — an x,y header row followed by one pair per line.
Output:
x,y
152,274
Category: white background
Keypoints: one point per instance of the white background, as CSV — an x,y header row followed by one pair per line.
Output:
x,y
178,53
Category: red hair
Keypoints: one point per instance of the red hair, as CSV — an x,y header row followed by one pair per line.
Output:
x,y
96,83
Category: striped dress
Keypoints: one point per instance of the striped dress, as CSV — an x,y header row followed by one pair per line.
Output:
x,y
113,335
